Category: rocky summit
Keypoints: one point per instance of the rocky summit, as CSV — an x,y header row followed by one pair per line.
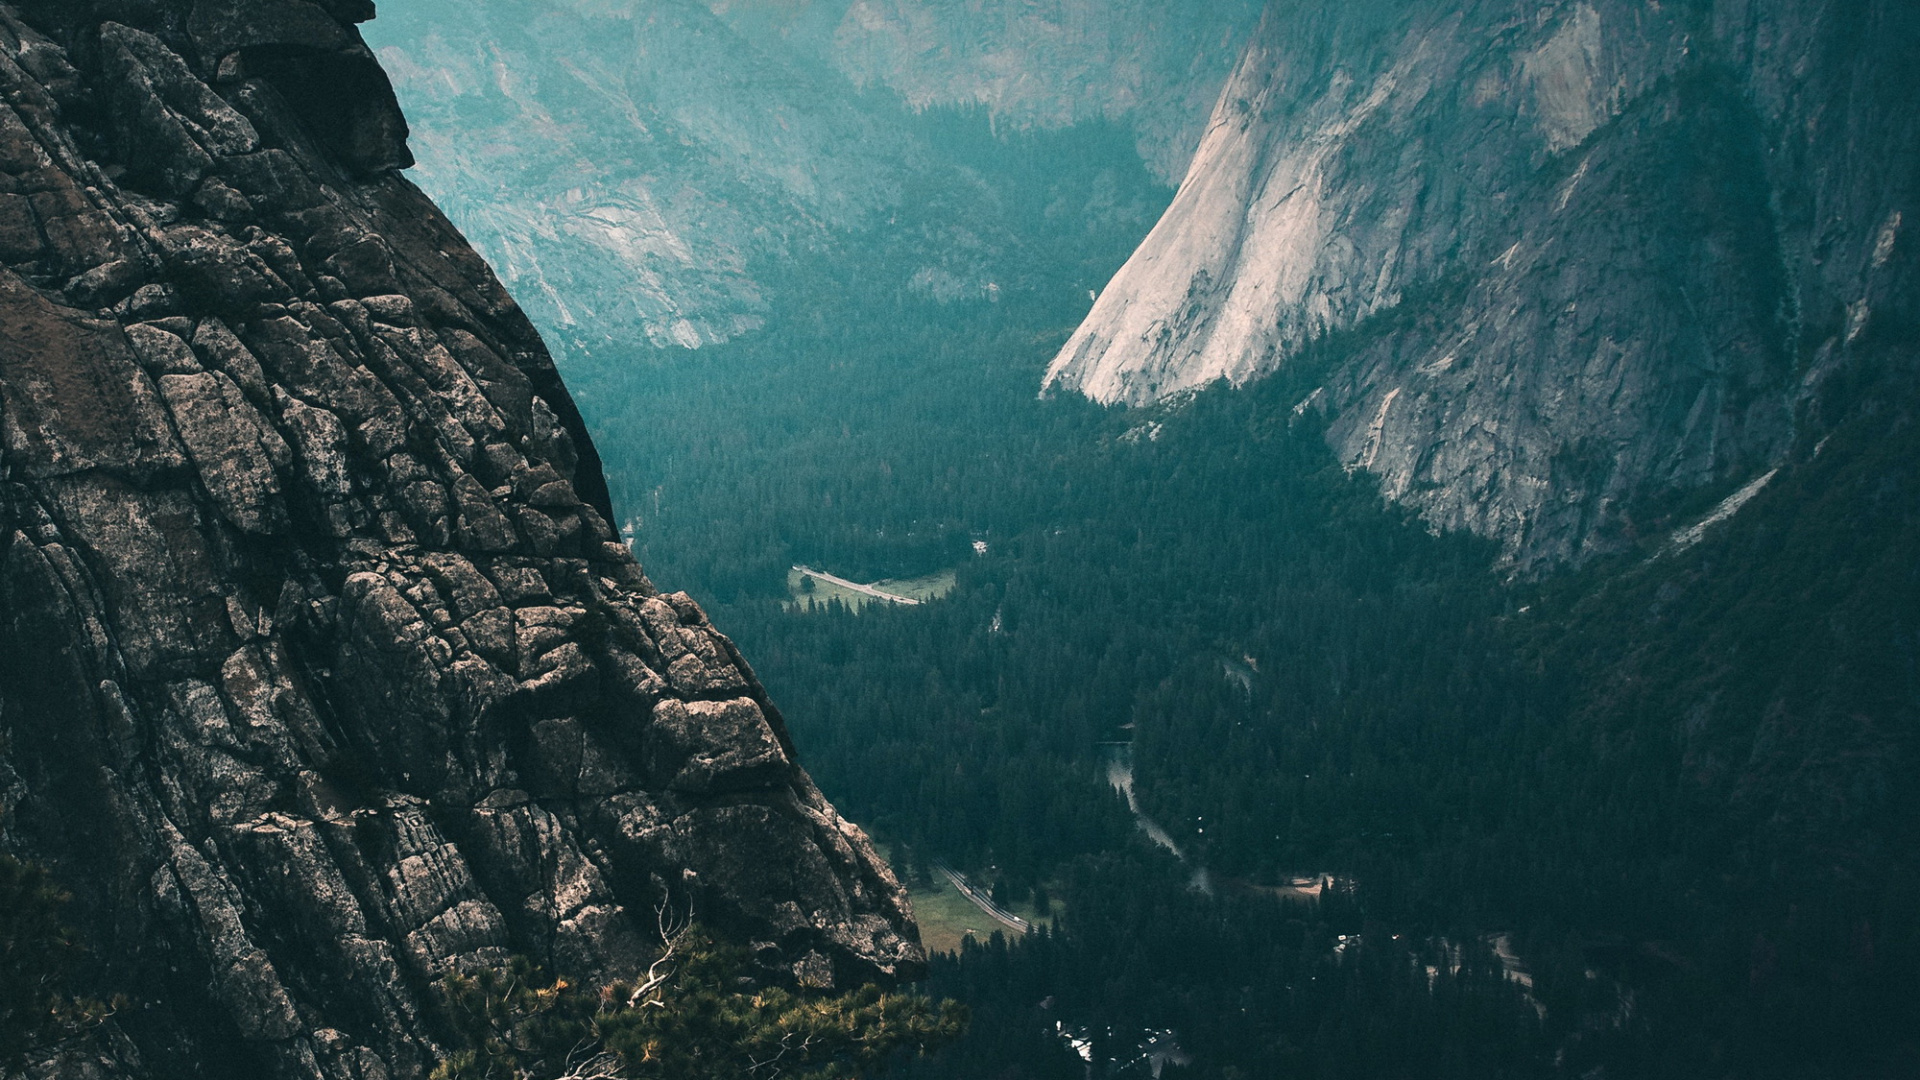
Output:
x,y
321,672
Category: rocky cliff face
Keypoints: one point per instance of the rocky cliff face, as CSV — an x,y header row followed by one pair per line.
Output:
x,y
321,672
1590,253
643,173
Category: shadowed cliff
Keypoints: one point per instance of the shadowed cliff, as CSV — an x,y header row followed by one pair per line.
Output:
x,y
321,671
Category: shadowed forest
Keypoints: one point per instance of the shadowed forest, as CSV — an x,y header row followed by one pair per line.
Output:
x,y
1630,775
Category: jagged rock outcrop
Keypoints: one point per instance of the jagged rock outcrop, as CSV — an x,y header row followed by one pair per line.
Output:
x,y
1617,242
321,671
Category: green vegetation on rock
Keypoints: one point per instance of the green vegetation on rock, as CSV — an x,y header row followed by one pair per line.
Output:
x,y
698,1016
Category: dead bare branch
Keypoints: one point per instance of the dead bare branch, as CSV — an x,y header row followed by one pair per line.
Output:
x,y
672,930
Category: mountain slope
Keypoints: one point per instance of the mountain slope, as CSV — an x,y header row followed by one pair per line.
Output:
x,y
1594,253
646,175
626,165
321,671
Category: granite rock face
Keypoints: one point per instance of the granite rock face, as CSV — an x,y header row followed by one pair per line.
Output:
x,y
321,672
1586,254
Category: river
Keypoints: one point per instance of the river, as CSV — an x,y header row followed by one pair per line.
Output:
x,y
1120,776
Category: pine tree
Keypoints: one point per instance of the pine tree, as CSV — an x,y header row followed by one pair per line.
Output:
x,y
36,951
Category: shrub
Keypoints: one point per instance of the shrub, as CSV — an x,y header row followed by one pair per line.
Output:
x,y
36,951
696,1017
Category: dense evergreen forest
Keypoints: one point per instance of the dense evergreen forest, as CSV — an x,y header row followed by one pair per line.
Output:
x,y
1676,788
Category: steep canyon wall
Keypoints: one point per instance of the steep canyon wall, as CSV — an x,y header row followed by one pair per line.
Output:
x,y
1579,257
321,672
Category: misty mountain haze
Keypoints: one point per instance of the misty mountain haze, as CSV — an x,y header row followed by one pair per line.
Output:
x,y
702,141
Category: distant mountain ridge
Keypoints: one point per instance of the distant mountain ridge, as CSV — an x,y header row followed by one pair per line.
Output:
x,y
1148,64
635,168
1596,253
